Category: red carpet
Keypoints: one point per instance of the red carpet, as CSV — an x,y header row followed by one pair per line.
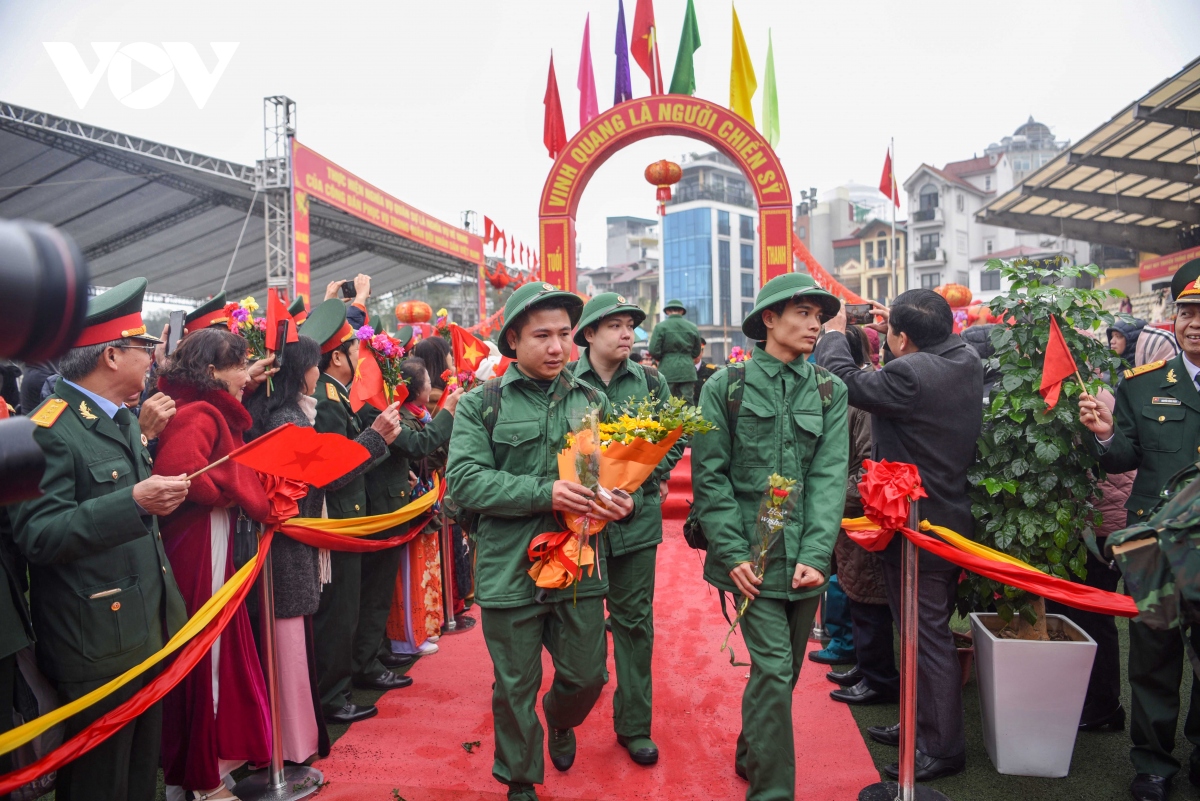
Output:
x,y
414,745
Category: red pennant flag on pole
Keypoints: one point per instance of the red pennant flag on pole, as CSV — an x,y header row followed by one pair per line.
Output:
x,y
887,182
1059,365
302,454
276,311
469,351
554,130
368,386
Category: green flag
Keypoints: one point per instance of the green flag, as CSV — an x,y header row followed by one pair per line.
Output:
x,y
683,82
770,111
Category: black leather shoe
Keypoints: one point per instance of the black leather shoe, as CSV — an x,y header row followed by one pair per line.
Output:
x,y
642,750
862,695
351,713
1113,722
1148,787
929,768
846,678
387,680
885,735
561,745
392,661
1194,773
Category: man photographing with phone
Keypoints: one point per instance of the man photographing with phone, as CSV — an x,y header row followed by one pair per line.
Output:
x,y
356,293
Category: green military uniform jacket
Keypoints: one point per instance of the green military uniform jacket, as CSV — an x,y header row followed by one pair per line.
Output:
x,y
645,529
508,477
387,484
1157,422
16,629
102,593
334,416
783,427
675,343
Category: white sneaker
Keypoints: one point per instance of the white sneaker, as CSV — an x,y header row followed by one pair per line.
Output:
x,y
434,638
428,648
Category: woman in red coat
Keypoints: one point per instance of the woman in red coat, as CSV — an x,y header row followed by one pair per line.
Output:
x,y
217,718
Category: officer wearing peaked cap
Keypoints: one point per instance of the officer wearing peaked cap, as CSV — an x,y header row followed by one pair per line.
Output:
x,y
1155,429
210,314
102,594
298,311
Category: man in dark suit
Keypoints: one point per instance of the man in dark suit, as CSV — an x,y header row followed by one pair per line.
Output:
x,y
925,410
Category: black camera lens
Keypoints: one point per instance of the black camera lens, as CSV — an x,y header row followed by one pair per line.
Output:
x,y
21,461
43,291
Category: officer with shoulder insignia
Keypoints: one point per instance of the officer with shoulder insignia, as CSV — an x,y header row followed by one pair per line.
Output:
x,y
631,549
387,489
503,465
1155,430
704,368
336,620
102,593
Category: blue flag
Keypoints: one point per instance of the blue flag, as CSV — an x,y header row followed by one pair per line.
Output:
x,y
624,86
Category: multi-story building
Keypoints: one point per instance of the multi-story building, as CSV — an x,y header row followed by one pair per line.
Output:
x,y
632,240
948,244
632,269
709,249
862,262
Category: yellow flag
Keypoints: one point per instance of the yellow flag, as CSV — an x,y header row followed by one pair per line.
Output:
x,y
742,83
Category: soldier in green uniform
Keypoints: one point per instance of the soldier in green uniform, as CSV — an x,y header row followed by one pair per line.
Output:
x,y
387,490
630,549
503,465
675,343
336,620
1156,431
788,417
102,593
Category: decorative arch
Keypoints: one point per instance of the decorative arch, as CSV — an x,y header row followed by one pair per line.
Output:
x,y
663,115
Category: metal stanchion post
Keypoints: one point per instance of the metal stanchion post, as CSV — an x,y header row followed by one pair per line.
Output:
x,y
447,575
818,630
275,783
906,789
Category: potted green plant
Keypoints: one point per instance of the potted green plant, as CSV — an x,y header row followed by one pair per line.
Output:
x,y
1033,493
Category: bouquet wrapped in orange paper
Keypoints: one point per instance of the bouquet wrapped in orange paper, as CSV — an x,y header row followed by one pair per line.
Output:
x,y
616,455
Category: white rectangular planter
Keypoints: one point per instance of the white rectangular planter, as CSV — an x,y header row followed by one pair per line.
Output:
x,y
1031,695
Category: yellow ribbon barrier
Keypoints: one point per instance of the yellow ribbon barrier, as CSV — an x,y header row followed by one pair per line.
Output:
x,y
952,538
362,526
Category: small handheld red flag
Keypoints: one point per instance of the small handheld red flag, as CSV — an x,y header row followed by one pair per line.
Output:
x,y
1059,365
368,386
302,454
469,351
276,311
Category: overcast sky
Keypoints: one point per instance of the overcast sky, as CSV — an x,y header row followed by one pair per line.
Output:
x,y
440,103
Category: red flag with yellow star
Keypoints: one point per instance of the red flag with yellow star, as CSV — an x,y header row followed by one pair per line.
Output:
x,y
302,454
469,351
368,386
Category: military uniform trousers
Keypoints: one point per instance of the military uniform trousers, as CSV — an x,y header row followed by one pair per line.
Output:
x,y
378,585
776,634
573,633
125,766
334,626
631,612
1157,660
683,389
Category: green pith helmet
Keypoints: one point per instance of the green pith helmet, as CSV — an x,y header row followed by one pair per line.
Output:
x,y
789,286
604,305
210,314
532,294
327,325
116,314
674,304
1185,285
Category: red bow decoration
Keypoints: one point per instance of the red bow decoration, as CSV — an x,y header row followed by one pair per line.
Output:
x,y
282,494
886,489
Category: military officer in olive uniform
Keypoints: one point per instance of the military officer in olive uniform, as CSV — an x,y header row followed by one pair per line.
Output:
x,y
502,464
675,344
388,489
1156,431
337,617
101,590
631,549
775,414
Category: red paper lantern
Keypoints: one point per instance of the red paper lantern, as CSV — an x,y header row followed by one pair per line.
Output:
x,y
663,174
411,312
956,295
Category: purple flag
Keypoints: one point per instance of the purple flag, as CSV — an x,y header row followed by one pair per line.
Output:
x,y
589,105
624,87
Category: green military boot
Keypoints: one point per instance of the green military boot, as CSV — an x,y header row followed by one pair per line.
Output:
x,y
642,750
561,744
521,792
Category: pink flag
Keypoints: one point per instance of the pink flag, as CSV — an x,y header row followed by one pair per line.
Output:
x,y
589,107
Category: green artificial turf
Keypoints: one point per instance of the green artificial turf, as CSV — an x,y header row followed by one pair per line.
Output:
x,y
1100,769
